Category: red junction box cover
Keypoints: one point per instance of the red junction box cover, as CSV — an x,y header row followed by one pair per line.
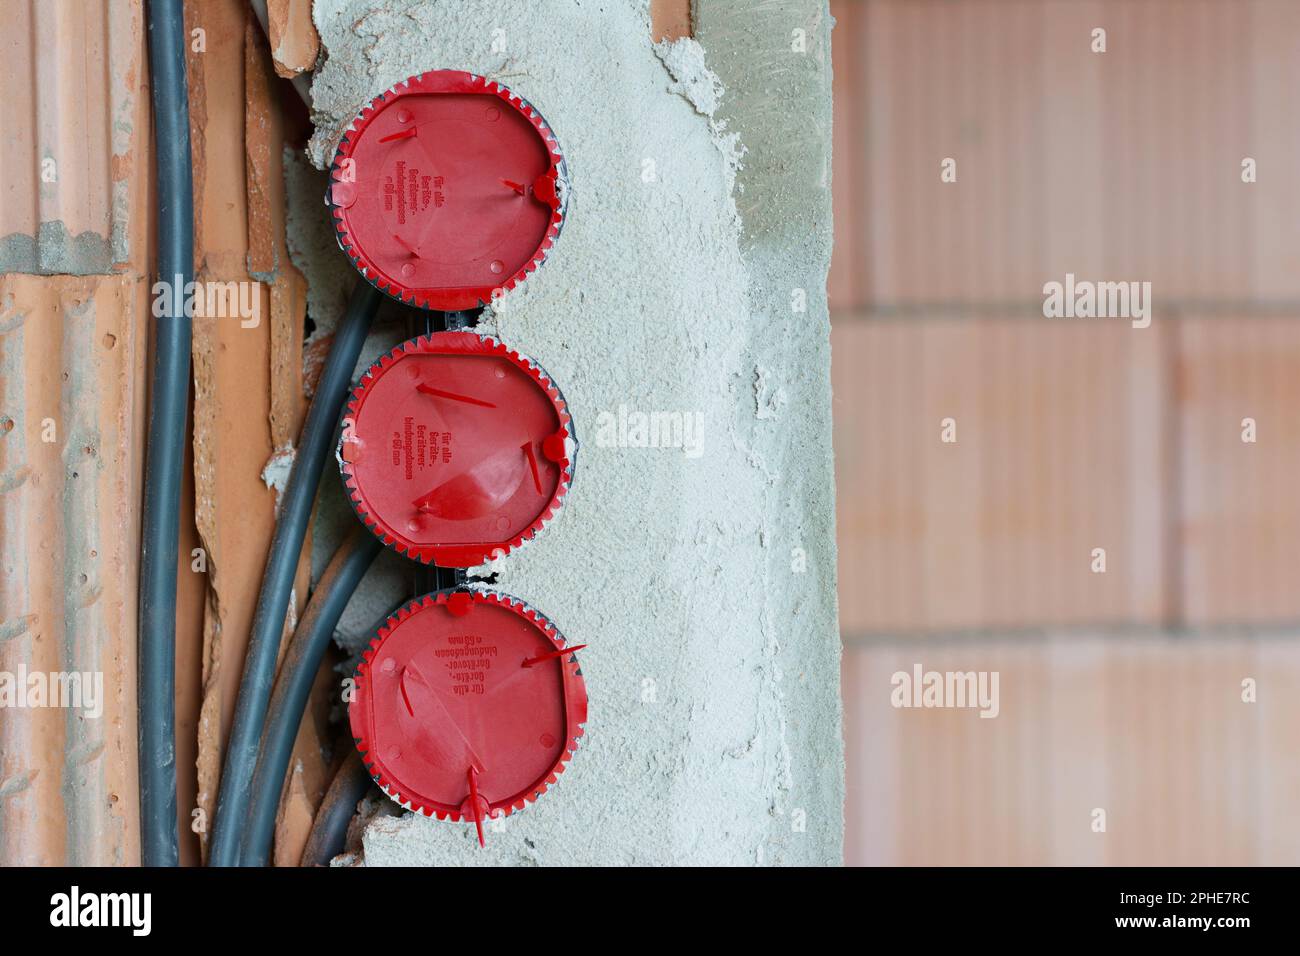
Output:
x,y
455,449
445,189
467,705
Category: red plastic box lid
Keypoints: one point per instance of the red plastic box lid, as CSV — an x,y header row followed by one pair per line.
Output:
x,y
447,188
456,449
467,705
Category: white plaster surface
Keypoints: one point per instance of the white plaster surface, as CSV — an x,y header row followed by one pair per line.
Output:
x,y
713,667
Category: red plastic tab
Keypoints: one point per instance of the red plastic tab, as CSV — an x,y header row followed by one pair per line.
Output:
x,y
447,188
450,718
455,449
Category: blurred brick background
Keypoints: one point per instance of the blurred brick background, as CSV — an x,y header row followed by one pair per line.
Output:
x,y
1119,690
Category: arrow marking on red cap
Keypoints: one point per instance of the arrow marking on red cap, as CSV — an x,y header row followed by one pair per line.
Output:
x,y
404,134
529,662
440,393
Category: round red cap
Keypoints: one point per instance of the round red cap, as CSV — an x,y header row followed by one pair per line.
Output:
x,y
455,449
447,188
467,716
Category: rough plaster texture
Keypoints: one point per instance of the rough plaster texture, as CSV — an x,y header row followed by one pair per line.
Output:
x,y
713,665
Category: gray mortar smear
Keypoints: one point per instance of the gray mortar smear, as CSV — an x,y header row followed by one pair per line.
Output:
x,y
54,251
713,667
312,245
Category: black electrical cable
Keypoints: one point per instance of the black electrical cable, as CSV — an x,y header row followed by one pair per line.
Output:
x,y
281,564
165,451
293,687
329,831
303,657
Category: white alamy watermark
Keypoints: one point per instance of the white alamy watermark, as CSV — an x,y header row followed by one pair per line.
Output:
x,y
75,908
630,428
1084,299
83,690
209,300
947,689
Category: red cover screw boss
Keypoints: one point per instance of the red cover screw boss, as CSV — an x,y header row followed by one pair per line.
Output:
x,y
467,706
446,189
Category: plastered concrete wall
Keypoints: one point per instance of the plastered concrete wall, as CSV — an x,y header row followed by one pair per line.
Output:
x,y
688,283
